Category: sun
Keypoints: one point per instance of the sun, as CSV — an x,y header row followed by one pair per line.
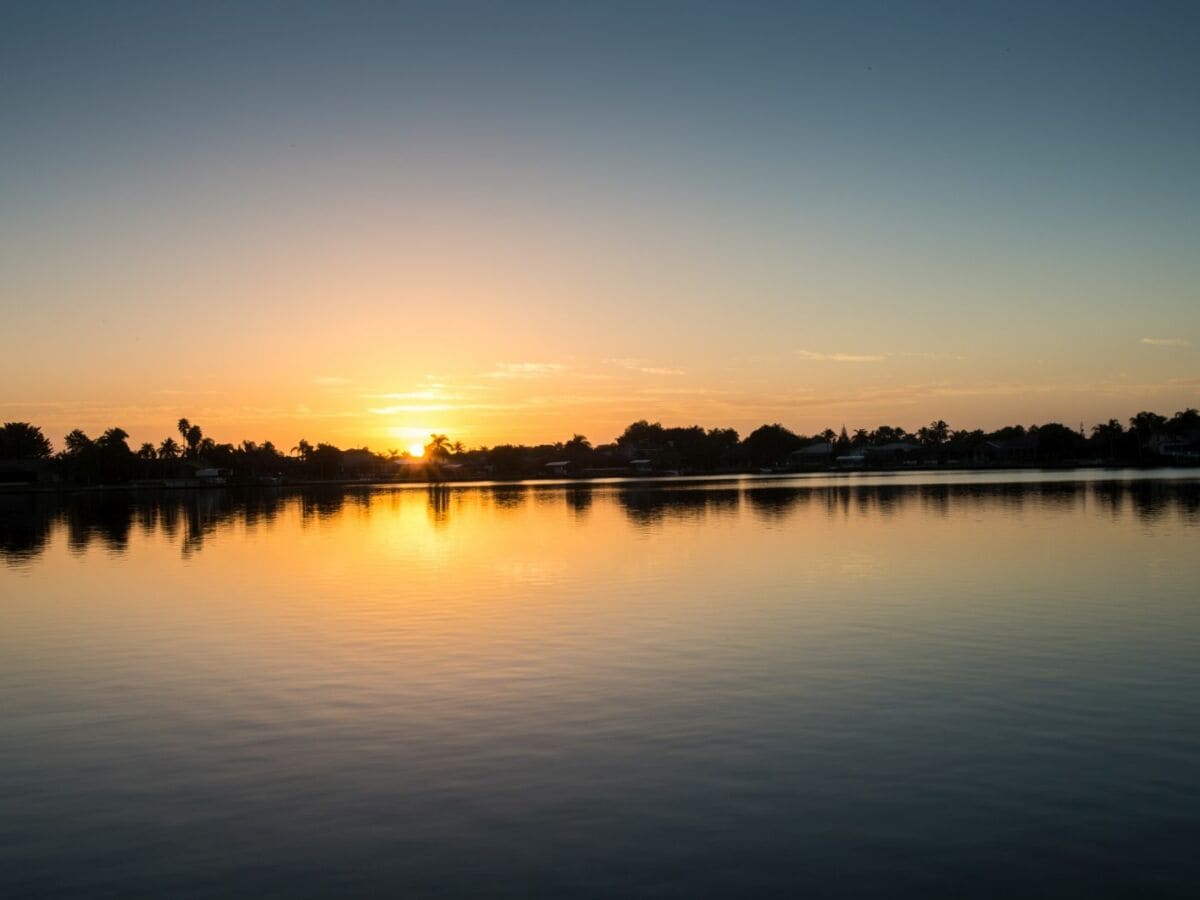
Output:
x,y
416,449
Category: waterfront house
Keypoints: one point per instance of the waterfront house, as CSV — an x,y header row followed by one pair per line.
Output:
x,y
893,453
1012,450
818,454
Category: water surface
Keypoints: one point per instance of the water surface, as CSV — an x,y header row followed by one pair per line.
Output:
x,y
962,685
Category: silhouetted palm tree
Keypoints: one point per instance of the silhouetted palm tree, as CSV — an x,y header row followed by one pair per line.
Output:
x,y
438,446
76,442
934,433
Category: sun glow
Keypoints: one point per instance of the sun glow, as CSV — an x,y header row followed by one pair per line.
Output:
x,y
416,449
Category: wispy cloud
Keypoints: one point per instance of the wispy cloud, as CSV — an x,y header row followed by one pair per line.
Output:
x,y
439,407
683,392
841,357
1164,342
640,365
435,393
330,380
524,370
912,354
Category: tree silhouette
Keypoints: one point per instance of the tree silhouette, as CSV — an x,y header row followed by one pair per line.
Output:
x,y
934,434
1145,424
76,443
438,446
168,449
769,445
20,440
195,438
1109,434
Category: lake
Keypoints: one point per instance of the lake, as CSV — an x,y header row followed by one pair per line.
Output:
x,y
959,684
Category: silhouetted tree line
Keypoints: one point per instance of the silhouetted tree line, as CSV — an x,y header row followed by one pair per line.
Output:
x,y
643,447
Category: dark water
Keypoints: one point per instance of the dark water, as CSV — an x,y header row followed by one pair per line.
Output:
x,y
960,687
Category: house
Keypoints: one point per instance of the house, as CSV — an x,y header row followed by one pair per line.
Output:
x,y
854,460
558,468
819,454
1009,450
642,466
1178,448
893,453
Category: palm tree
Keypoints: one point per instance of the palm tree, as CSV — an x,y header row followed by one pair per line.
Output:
x,y
934,433
458,447
304,450
147,451
76,443
438,446
195,438
114,439
168,449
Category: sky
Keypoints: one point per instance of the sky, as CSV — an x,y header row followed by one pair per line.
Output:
x,y
512,222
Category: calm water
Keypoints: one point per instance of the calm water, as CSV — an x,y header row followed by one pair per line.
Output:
x,y
940,686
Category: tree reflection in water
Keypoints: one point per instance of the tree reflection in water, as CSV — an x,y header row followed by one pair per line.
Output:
x,y
30,522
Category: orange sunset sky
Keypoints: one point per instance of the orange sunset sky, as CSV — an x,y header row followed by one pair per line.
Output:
x,y
361,226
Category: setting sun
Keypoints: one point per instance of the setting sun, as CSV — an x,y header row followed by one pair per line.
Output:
x,y
416,449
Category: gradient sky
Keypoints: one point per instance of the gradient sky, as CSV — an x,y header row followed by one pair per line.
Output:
x,y
363,222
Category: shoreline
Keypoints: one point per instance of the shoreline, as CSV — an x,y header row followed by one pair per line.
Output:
x,y
180,485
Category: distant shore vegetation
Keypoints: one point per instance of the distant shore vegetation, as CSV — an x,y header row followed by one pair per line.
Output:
x,y
189,457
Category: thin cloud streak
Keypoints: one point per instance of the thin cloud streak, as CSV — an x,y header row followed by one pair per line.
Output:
x,y
524,370
1165,342
640,365
841,357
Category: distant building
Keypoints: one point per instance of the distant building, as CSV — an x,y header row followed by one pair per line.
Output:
x,y
817,454
1183,448
1009,450
894,453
